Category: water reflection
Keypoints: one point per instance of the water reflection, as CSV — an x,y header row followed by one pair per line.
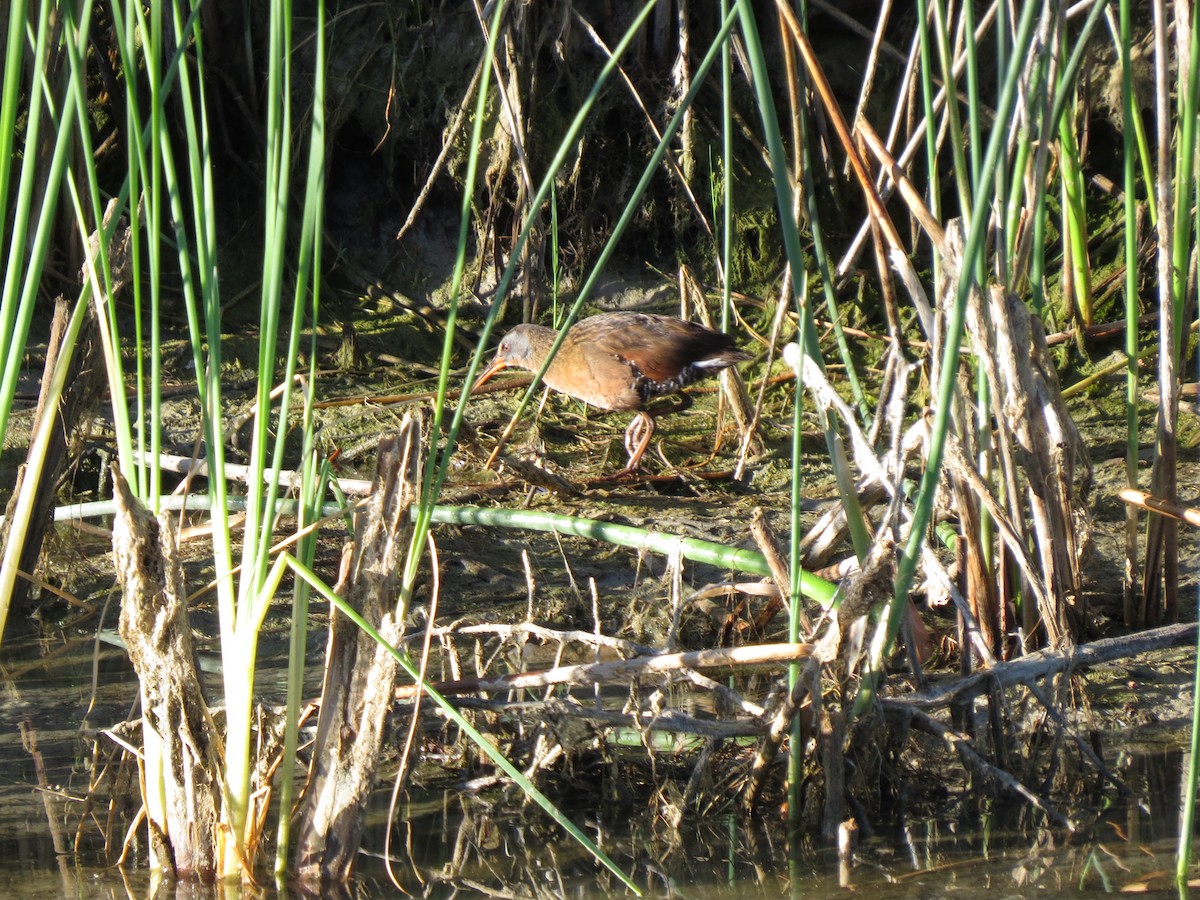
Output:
x,y
451,840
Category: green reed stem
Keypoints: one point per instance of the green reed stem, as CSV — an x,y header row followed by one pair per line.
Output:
x,y
22,273
727,164
1132,306
315,475
14,60
1074,214
957,139
1185,161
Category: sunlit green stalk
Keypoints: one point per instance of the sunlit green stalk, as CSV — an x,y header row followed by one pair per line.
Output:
x,y
974,104
315,476
795,593
1064,95
135,159
859,528
727,164
1183,855
1037,203
1185,162
198,283
16,314
140,47
259,518
434,474
955,137
933,171
269,430
14,59
1132,307
1132,121
808,337
777,156
107,313
733,558
201,292
555,260
1074,216
22,273
1187,824
809,343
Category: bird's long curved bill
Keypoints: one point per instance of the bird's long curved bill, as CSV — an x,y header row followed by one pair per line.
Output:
x,y
496,366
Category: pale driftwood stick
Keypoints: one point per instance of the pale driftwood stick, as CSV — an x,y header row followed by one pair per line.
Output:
x,y
667,720
621,670
817,383
970,757
549,635
185,465
1188,514
1050,662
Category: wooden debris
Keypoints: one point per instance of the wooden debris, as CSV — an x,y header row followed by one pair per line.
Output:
x,y
359,674
180,743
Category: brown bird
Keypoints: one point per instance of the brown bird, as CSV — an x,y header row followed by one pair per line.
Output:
x,y
622,361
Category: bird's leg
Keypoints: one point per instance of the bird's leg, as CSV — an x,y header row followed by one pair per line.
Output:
x,y
641,430
637,439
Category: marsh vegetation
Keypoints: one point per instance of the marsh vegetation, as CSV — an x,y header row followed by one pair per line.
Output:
x,y
899,565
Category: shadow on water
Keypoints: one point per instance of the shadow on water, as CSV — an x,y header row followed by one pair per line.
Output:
x,y
62,696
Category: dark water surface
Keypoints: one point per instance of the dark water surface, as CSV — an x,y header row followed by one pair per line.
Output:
x,y
467,840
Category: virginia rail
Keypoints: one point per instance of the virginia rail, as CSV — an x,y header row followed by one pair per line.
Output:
x,y
622,361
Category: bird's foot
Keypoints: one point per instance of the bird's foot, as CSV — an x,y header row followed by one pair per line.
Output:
x,y
637,439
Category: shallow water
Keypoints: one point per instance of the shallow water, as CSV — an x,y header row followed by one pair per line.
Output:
x,y
62,692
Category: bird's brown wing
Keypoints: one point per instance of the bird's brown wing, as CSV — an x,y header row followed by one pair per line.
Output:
x,y
659,346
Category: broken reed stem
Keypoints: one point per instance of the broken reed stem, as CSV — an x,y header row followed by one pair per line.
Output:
x,y
1188,514
620,671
